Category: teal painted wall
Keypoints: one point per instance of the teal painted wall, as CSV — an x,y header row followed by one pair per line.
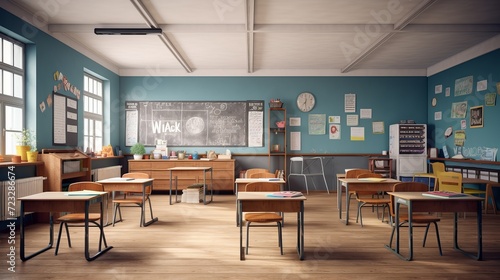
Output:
x,y
486,68
46,55
390,98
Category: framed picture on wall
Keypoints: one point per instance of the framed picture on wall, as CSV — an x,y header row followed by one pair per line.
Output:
x,y
476,117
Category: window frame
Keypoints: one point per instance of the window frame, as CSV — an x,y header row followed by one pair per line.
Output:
x,y
90,116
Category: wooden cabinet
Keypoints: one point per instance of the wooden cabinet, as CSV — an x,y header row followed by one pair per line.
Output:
x,y
63,167
277,139
381,166
223,172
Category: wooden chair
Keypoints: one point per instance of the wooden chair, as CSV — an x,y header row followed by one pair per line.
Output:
x,y
418,219
263,175
263,218
354,173
370,198
133,200
251,171
79,218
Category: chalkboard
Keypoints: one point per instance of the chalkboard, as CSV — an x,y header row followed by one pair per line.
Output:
x,y
187,123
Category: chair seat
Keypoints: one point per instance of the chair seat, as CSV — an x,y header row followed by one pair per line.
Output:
x,y
474,191
263,217
369,200
78,218
419,218
133,199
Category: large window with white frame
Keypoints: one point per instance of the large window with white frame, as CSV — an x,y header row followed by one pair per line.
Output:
x,y
12,80
93,117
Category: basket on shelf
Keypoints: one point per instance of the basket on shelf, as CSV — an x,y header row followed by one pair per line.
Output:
x,y
275,103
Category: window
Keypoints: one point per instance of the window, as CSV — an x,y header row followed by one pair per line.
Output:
x,y
92,108
12,76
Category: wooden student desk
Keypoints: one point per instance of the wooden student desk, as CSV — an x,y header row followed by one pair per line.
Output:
x,y
416,202
60,202
261,202
361,184
195,169
130,185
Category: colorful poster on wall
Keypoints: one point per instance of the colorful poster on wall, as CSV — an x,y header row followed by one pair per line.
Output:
x,y
463,86
334,131
458,110
490,99
476,117
317,124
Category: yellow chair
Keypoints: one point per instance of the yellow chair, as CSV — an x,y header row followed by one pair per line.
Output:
x,y
264,217
79,218
370,198
450,181
133,200
437,167
418,219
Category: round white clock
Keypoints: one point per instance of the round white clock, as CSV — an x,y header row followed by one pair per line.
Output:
x,y
306,101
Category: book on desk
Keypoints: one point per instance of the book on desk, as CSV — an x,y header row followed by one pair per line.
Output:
x,y
285,194
444,194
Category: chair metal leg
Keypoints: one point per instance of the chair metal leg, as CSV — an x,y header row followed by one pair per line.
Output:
x,y
67,234
248,235
117,209
437,236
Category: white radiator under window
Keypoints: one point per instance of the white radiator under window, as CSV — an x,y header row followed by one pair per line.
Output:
x,y
106,172
23,187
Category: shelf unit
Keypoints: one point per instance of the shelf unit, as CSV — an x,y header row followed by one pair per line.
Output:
x,y
381,166
408,148
63,167
277,138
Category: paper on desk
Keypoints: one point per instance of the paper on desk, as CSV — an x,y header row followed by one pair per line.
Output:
x,y
84,193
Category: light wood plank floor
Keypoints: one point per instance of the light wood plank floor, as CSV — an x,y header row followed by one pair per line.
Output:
x,y
193,241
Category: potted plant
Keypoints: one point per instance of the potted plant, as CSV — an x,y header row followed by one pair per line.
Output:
x,y
24,140
32,154
138,150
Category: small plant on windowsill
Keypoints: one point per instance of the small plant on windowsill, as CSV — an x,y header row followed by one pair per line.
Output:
x,y
138,150
24,141
32,154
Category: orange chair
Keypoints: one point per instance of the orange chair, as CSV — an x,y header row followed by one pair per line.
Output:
x,y
370,198
264,218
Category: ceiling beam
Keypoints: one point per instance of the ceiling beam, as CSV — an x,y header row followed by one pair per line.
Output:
x,y
284,28
405,20
163,37
250,16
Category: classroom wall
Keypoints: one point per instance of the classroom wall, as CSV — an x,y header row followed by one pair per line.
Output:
x,y
390,98
45,56
483,68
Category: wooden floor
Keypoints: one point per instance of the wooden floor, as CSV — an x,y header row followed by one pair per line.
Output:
x,y
194,241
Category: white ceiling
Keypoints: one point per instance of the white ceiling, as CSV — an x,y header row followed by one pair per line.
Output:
x,y
272,37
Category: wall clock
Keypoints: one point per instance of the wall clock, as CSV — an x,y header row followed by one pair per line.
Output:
x,y
306,101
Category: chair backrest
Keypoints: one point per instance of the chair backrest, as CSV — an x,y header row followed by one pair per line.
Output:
x,y
85,186
251,171
450,181
296,165
262,187
263,175
438,167
406,187
370,175
353,173
138,175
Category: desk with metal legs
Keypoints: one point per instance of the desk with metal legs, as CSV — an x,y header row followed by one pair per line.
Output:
x,y
489,191
261,202
193,169
416,202
60,202
361,184
130,185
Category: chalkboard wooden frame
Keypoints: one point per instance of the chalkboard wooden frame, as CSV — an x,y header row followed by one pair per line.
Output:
x,y
188,123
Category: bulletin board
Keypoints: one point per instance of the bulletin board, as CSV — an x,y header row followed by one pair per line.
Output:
x,y
65,120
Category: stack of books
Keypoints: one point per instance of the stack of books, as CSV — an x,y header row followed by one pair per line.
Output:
x,y
444,194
